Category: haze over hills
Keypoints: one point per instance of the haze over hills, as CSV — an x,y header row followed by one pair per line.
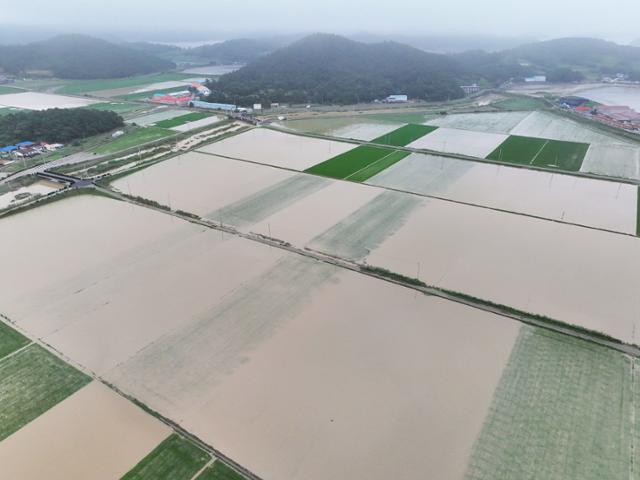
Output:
x,y
79,57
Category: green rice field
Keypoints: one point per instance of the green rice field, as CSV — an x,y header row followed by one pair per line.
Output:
x,y
181,120
567,156
174,459
219,471
563,409
144,95
118,107
5,89
133,139
84,86
10,340
358,164
31,382
404,135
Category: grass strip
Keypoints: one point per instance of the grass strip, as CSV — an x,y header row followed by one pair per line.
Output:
x,y
404,135
31,382
174,459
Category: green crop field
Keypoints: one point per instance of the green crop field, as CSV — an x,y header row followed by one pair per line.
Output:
x,y
564,408
181,120
516,149
354,162
4,89
377,167
174,459
404,135
402,117
567,156
132,139
31,382
119,107
84,86
10,340
143,95
219,471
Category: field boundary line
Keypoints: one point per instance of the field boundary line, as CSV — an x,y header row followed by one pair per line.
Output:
x,y
206,465
539,152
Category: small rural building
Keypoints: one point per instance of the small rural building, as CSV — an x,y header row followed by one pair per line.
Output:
x,y
470,89
227,107
396,99
536,79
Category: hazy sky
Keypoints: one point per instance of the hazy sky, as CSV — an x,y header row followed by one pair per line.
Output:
x,y
613,19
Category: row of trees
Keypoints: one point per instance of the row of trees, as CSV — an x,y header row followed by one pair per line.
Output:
x,y
56,125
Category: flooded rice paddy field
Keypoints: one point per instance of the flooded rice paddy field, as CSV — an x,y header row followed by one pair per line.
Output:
x,y
28,192
464,142
357,128
607,205
202,340
94,433
262,145
614,95
43,101
186,127
156,116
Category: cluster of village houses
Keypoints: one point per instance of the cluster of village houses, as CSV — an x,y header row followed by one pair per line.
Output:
x,y
26,149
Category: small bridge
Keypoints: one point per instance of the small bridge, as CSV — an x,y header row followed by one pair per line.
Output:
x,y
73,182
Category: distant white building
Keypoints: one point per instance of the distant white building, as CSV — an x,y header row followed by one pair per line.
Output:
x,y
257,106
396,99
117,134
536,79
470,89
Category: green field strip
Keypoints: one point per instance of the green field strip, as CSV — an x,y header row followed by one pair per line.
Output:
x,y
404,135
219,471
31,382
84,86
5,90
10,340
174,459
517,149
151,93
375,168
567,156
348,163
563,409
181,120
540,152
133,139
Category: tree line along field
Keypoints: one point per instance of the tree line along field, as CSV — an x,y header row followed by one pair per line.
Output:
x,y
567,156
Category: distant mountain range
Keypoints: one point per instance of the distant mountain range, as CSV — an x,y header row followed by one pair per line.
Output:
x,y
331,69
79,57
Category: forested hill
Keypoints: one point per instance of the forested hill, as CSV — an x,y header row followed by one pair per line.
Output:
x,y
240,50
56,125
584,56
79,57
331,69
